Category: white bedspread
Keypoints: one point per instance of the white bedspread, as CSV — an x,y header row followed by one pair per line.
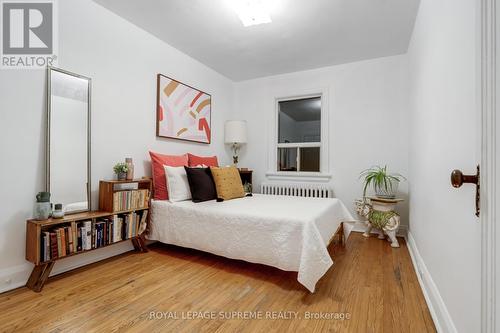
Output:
x,y
290,233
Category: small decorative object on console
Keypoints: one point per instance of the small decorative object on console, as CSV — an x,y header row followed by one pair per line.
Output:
x,y
58,212
130,167
43,208
121,170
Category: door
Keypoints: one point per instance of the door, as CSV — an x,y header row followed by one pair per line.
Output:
x,y
491,161
445,134
490,154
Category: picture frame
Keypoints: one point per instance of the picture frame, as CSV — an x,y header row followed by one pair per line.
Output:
x,y
182,111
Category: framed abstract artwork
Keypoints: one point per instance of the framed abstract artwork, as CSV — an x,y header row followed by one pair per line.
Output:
x,y
182,112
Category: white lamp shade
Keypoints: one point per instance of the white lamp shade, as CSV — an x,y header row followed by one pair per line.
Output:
x,y
235,131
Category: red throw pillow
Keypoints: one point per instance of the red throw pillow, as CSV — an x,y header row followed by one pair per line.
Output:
x,y
209,161
159,180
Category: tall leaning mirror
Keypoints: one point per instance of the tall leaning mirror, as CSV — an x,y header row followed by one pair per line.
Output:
x,y
68,139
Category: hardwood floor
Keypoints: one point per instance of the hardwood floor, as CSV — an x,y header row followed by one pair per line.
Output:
x,y
371,283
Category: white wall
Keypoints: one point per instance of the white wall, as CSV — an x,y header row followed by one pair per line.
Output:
x,y
443,130
368,120
122,61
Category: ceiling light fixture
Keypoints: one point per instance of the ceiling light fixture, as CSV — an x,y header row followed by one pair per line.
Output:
x,y
252,12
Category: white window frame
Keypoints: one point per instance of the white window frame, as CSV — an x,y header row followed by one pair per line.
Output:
x,y
298,145
323,175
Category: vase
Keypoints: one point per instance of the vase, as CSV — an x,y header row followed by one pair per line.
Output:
x,y
130,165
42,210
122,176
58,211
389,192
43,197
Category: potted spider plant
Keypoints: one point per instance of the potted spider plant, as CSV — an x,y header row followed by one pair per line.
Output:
x,y
384,184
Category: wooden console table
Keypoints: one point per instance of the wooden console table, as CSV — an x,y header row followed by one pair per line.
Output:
x,y
36,228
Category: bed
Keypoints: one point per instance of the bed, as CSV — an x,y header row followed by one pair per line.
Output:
x,y
290,233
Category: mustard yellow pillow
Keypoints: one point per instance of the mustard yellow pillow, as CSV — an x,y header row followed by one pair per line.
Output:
x,y
227,183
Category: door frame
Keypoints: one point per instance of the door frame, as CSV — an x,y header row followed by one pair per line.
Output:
x,y
489,149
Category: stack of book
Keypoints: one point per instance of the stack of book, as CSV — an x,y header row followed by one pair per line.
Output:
x,y
130,199
64,240
128,225
88,235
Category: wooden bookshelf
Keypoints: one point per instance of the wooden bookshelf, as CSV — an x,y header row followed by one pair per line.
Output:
x,y
107,189
35,228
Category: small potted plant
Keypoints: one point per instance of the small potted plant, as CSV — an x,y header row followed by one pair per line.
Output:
x,y
121,170
384,184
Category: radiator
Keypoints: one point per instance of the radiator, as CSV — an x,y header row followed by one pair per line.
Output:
x,y
297,190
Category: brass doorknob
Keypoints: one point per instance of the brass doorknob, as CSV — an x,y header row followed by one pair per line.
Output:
x,y
458,178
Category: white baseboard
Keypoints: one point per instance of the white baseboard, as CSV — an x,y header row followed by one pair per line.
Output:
x,y
436,305
17,276
14,277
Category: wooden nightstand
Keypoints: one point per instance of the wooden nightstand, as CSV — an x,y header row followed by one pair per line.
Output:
x,y
246,179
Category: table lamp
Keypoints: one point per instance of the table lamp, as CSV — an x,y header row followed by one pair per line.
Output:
x,y
235,133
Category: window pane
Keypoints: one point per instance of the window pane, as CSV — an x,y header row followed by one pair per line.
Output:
x,y
309,159
299,120
287,159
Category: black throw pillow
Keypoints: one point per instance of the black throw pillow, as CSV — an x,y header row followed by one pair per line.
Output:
x,y
201,184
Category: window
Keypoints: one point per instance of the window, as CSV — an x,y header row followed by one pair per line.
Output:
x,y
299,135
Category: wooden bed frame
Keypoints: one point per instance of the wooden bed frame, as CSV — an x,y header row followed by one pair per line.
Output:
x,y
339,233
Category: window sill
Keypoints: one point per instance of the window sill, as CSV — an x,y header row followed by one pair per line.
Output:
x,y
298,176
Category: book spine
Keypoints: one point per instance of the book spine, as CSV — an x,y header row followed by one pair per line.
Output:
x,y
94,235
53,245
88,235
59,244
74,231
42,247
101,234
121,227
63,241
84,237
79,238
134,226
129,225
47,246
97,235
69,242
124,227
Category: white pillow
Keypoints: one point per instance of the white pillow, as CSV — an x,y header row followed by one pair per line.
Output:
x,y
177,184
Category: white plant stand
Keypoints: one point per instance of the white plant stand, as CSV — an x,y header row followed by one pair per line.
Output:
x,y
391,226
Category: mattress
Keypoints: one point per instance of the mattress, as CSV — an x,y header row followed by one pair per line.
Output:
x,y
289,233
